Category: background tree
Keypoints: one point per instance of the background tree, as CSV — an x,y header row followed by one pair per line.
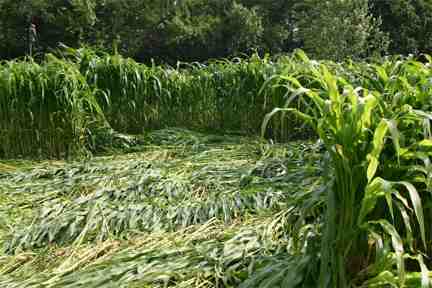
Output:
x,y
56,21
339,29
278,20
196,30
408,22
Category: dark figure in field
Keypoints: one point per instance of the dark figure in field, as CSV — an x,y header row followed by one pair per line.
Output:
x,y
32,38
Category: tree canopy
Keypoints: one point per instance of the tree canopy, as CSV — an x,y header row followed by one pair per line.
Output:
x,y
196,30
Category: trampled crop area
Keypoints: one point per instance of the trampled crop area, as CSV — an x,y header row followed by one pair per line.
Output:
x,y
187,210
257,172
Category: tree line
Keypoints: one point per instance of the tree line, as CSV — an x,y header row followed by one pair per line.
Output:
x,y
196,30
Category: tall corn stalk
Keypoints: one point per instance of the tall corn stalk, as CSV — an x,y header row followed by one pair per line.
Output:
x,y
45,109
363,132
225,95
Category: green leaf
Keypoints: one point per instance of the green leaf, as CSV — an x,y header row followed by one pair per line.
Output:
x,y
397,246
378,144
392,125
268,117
375,190
406,220
425,281
384,278
426,143
372,167
370,102
418,209
381,72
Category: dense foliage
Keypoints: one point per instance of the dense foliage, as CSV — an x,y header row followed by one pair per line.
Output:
x,y
365,225
193,210
67,104
196,30
377,135
44,107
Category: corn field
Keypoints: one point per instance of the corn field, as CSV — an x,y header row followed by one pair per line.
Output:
x,y
57,108
284,172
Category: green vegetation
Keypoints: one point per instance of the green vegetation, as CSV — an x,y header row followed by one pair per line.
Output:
x,y
197,30
44,107
374,135
199,160
69,103
189,209
340,29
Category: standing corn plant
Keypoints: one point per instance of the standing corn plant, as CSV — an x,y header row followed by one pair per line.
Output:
x,y
370,221
45,109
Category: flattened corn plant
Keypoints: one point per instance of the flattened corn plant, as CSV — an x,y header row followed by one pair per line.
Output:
x,y
189,210
370,215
